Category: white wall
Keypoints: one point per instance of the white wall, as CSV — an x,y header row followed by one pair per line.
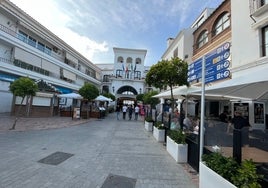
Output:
x,y
245,39
6,97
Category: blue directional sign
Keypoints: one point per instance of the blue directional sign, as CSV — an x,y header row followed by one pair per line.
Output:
x,y
216,62
214,69
219,76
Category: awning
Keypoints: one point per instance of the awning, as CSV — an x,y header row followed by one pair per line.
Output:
x,y
50,67
103,98
71,96
177,92
27,57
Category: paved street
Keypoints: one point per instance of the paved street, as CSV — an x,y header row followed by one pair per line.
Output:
x,y
94,150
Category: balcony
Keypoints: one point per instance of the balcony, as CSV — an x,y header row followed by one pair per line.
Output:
x,y
258,7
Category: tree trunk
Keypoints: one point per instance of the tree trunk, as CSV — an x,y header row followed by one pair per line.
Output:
x,y
17,114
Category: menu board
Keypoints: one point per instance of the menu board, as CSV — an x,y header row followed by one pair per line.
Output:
x,y
259,113
243,108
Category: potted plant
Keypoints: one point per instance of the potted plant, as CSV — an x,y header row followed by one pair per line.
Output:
x,y
216,169
177,146
159,131
148,124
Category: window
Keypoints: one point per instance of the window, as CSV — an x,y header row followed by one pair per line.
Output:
x,y
40,46
120,59
129,60
106,78
31,41
22,36
202,39
175,52
265,41
222,23
138,60
47,50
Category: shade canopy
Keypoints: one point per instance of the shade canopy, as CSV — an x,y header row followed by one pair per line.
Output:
x,y
103,98
178,92
70,96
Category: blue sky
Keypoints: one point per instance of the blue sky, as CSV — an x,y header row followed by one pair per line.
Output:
x,y
94,27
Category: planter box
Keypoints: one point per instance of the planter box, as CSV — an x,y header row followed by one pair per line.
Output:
x,y
178,151
148,126
159,134
209,179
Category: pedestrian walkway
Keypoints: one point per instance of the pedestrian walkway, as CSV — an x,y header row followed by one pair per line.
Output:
x,y
98,153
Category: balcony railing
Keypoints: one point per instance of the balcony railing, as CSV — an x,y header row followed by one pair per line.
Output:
x,y
255,5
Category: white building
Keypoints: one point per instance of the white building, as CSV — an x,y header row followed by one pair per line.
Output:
x,y
126,77
245,27
29,49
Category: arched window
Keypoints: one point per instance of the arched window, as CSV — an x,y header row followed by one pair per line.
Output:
x,y
138,60
120,59
202,39
221,23
129,60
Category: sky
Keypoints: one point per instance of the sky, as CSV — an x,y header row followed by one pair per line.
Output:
x,y
95,27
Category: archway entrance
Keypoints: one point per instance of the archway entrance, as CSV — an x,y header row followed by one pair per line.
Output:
x,y
126,95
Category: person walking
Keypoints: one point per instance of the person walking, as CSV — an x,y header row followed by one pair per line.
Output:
x,y
130,111
117,109
137,110
124,110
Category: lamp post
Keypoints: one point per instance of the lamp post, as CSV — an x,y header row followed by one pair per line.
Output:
x,y
113,89
140,90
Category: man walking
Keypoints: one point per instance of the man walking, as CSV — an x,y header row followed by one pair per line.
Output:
x,y
117,109
124,110
130,111
137,109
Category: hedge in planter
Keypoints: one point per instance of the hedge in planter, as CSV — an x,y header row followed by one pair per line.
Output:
x,y
178,136
242,176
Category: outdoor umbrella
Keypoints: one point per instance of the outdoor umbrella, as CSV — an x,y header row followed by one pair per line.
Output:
x,y
70,96
103,98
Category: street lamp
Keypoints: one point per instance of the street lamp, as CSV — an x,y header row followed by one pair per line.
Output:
x,y
113,89
140,90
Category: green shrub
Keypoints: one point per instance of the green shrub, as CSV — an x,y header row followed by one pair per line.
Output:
x,y
224,166
242,176
159,125
178,136
247,176
149,119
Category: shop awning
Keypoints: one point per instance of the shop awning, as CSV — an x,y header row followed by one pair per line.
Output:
x,y
177,92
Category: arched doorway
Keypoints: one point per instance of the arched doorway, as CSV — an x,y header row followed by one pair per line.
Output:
x,y
126,95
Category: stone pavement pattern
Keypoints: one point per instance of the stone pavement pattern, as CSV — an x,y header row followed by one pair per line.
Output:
x,y
100,148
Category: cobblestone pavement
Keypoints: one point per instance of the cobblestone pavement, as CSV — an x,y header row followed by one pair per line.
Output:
x,y
94,149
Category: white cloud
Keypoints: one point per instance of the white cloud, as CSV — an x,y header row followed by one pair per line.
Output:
x,y
57,21
82,44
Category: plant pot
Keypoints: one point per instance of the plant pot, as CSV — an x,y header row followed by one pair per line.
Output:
x,y
209,179
159,134
178,151
148,126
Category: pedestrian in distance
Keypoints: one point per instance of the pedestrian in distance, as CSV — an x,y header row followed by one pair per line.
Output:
x,y
124,110
130,111
137,110
117,109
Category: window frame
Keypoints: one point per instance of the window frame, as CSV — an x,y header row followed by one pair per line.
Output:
x,y
202,39
221,23
264,40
